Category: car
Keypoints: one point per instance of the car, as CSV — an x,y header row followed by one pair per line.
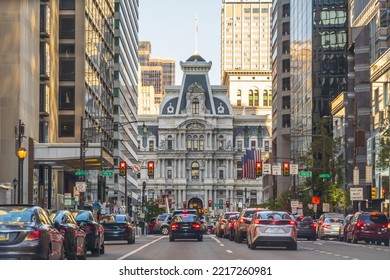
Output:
x,y
74,237
211,227
370,227
161,225
93,230
230,226
306,227
329,226
151,224
185,226
344,226
243,221
272,228
26,232
118,227
221,223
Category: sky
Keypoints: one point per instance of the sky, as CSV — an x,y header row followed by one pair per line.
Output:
x,y
170,27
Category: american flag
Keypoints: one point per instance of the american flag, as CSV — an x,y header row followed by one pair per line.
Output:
x,y
249,160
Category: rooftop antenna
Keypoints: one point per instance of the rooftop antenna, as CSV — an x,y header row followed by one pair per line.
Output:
x,y
196,34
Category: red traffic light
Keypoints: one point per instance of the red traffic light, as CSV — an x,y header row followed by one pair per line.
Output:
x,y
151,169
259,169
227,203
210,203
286,168
122,168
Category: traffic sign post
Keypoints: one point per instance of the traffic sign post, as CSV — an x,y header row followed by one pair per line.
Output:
x,y
324,176
81,172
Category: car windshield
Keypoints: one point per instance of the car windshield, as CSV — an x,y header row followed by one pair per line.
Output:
x,y
162,217
82,216
334,220
120,218
374,219
274,215
249,213
57,216
16,215
184,218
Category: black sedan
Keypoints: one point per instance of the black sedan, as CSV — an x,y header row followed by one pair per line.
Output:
x,y
306,228
118,227
26,232
185,226
93,230
74,236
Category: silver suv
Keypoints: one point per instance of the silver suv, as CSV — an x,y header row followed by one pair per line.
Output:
x,y
161,224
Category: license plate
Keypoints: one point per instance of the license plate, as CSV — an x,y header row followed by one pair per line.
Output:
x,y
4,237
274,230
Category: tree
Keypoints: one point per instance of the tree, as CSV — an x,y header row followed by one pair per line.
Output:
x,y
383,155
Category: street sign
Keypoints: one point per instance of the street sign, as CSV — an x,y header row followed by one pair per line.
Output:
x,y
356,193
81,186
81,172
277,169
266,169
324,176
305,174
294,203
325,207
136,168
107,173
293,169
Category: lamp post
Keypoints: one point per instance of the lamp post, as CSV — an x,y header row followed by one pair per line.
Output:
x,y
15,185
22,153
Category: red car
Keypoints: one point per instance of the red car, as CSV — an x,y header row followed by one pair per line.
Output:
x,y
151,224
370,227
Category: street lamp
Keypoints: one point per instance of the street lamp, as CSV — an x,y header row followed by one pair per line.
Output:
x,y
22,153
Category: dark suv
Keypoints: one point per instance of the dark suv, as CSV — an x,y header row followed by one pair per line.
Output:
x,y
369,226
244,220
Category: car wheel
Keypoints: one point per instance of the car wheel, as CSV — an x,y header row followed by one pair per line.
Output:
x,y
62,253
293,247
96,250
84,255
252,246
378,242
171,239
239,238
164,230
386,243
200,238
102,249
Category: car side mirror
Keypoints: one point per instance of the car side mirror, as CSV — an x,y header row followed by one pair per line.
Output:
x,y
83,224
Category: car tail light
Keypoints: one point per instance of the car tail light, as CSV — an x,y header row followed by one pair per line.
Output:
x,y
242,220
196,226
34,235
88,228
388,225
257,222
313,225
174,226
360,224
293,223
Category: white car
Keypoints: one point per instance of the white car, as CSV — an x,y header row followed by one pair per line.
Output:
x,y
272,228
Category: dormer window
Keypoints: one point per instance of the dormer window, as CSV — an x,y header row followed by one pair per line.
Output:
x,y
195,106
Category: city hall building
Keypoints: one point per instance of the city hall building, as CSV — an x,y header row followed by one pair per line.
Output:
x,y
192,152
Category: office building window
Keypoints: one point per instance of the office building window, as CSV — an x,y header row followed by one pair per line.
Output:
x,y
169,174
170,143
67,69
66,126
201,143
239,145
250,97
151,145
195,143
66,27
195,106
66,49
67,4
256,98
189,142
221,174
66,98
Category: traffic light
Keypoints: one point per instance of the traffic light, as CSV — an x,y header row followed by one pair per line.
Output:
x,y
122,168
151,169
259,169
383,193
184,204
210,203
286,168
373,193
227,203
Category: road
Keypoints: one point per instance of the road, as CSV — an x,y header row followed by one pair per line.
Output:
x,y
158,247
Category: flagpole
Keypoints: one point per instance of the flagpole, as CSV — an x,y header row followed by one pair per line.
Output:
x,y
196,34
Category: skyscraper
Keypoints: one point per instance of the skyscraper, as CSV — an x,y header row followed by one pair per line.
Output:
x,y
246,54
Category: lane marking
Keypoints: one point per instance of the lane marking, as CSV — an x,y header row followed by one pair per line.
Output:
x,y
230,252
216,239
140,248
221,244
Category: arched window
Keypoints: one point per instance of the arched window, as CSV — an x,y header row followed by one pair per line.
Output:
x,y
189,142
195,106
256,97
195,170
239,97
170,143
250,97
201,143
195,143
265,98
